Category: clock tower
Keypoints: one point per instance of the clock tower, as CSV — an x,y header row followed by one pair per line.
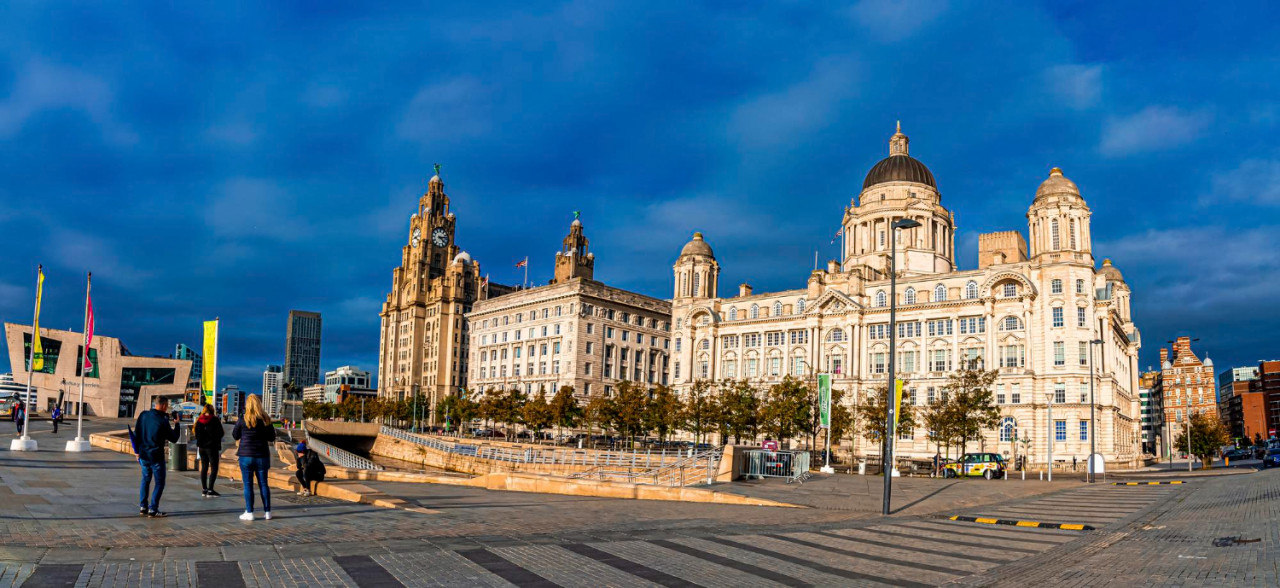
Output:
x,y
423,342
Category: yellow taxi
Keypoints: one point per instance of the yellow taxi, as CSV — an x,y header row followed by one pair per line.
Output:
x,y
987,465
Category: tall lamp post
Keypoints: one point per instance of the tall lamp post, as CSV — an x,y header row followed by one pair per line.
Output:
x,y
887,452
1093,410
1052,433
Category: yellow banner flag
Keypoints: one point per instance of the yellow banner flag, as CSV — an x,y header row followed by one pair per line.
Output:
x,y
897,402
209,370
37,350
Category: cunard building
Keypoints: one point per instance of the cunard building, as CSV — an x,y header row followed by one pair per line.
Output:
x,y
1030,310
423,347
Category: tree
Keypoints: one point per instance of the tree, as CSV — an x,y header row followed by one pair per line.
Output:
x,y
873,410
738,411
565,411
313,410
456,410
700,410
842,419
939,419
510,410
663,412
536,413
1208,435
974,409
786,410
630,409
599,413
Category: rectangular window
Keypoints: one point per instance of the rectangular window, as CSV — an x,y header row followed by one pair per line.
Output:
x,y
1000,394
624,336
1084,393
1059,353
555,348
704,370
1057,316
677,344
836,365
932,395
973,358
1079,316
877,363
1014,396
590,328
906,330
1060,393
908,361
608,332
940,360
973,325
775,366
1084,430
880,331
1060,430
774,339
731,369
752,365
799,337
939,328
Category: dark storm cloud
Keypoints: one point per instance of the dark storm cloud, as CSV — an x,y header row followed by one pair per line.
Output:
x,y
242,161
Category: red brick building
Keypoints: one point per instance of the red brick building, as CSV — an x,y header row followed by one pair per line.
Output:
x,y
1268,385
1186,386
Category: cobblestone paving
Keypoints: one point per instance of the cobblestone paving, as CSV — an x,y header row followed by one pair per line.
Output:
x,y
70,520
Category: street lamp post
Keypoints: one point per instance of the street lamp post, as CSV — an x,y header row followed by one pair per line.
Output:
x,y
891,389
1093,410
1050,436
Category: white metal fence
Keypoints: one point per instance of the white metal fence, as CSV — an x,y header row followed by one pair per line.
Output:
x,y
646,460
341,457
793,466
694,469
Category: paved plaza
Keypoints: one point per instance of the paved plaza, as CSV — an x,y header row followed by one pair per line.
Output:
x,y
71,520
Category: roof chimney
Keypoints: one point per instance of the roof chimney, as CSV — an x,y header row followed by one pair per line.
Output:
x,y
744,289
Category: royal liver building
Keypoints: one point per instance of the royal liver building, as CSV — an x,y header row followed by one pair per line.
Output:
x,y
1030,310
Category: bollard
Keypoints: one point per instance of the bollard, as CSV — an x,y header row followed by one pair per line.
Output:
x,y
177,457
1041,476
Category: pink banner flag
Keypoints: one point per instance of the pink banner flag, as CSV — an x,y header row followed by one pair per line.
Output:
x,y
88,330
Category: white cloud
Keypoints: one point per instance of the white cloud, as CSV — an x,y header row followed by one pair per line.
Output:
x,y
1199,268
786,116
1154,128
452,108
43,86
894,20
1077,86
1256,181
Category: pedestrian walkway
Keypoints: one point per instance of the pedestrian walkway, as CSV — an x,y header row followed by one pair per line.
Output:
x,y
1097,505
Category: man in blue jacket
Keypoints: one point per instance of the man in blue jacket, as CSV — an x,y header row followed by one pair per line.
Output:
x,y
151,432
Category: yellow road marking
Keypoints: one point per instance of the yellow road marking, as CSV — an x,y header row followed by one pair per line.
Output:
x,y
987,521
1028,524
1072,527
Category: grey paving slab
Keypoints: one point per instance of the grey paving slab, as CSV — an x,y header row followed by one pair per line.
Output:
x,y
567,568
437,568
687,567
294,573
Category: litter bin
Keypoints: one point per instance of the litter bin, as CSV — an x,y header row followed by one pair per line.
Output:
x,y
178,457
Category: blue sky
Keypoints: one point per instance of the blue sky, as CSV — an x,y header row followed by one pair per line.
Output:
x,y
242,160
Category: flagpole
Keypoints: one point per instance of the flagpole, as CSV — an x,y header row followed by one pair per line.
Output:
x,y
26,443
526,272
842,253
79,444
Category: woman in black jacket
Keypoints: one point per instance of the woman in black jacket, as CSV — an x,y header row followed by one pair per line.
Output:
x,y
256,434
209,444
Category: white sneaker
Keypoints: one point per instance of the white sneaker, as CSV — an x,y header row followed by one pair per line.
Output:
x,y
247,516
268,517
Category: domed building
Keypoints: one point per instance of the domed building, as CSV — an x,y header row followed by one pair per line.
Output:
x,y
1029,311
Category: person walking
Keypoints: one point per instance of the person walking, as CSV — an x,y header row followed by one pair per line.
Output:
x,y
151,432
310,468
56,417
19,408
1074,462
209,433
937,463
255,433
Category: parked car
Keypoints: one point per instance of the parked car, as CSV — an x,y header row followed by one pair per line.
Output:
x,y
1272,459
1236,454
987,465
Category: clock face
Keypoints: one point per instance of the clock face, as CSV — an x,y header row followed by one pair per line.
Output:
x,y
439,237
417,237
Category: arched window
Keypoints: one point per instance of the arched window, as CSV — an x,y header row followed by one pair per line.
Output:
x,y
777,309
755,311
835,336
910,296
939,293
706,344
1008,429
697,281
1053,234
733,314
1010,323
800,306
881,299
971,290
1079,286
684,284
1073,233
1055,287
1010,290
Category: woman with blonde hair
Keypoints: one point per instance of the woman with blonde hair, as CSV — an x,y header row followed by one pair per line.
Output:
x,y
255,433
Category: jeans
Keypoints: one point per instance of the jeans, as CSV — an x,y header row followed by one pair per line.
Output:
x,y
251,467
151,469
208,467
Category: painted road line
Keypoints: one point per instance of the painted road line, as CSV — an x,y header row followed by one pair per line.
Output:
x,y
1145,483
1017,523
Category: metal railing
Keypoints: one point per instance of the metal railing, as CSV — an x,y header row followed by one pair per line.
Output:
x,y
646,460
341,457
793,466
694,469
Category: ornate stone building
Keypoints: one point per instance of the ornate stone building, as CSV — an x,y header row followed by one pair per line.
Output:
x,y
574,331
1186,387
423,347
1030,310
